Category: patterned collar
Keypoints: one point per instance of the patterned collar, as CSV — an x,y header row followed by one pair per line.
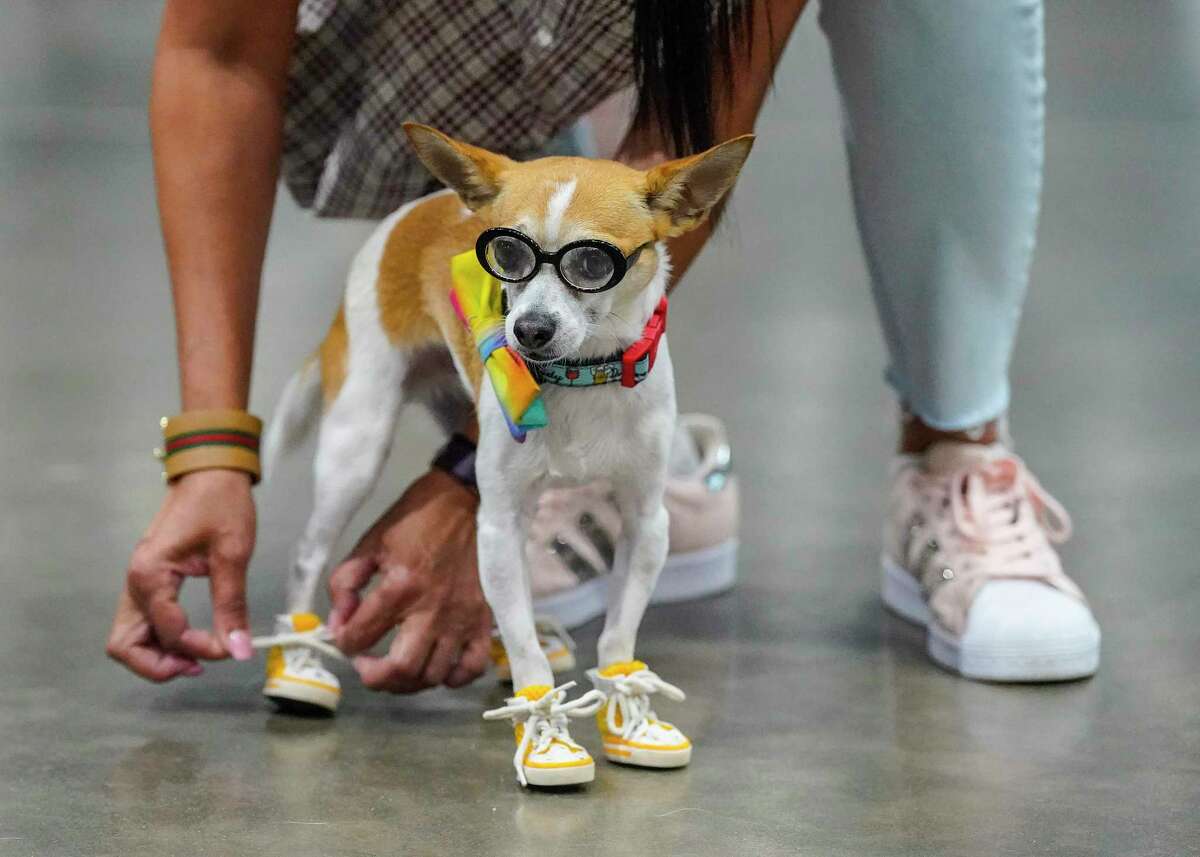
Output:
x,y
630,366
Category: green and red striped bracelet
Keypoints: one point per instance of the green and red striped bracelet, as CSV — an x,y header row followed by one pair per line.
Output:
x,y
204,440
210,437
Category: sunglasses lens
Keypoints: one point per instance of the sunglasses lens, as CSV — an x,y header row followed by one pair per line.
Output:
x,y
587,268
510,258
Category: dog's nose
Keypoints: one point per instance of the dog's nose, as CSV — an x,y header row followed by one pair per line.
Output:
x,y
534,329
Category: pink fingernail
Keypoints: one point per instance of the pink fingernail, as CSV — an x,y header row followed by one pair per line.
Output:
x,y
239,646
193,671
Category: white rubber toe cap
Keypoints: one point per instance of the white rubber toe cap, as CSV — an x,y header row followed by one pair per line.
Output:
x,y
1025,630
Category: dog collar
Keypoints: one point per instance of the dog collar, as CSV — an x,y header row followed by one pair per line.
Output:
x,y
630,366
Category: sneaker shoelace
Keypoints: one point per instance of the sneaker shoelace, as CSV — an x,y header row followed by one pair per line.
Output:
x,y
318,640
631,701
545,720
996,520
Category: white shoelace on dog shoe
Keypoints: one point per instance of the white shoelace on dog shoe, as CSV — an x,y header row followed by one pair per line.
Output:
x,y
630,703
545,720
319,640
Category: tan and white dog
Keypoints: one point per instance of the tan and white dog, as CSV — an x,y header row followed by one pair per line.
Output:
x,y
388,346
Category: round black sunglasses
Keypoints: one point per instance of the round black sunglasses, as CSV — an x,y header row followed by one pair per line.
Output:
x,y
589,265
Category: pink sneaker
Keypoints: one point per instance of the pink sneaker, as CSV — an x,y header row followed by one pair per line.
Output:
x,y
574,535
969,553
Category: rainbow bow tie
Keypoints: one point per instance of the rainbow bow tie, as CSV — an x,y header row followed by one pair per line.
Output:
x,y
478,298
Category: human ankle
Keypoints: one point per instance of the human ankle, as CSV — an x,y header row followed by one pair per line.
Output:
x,y
916,436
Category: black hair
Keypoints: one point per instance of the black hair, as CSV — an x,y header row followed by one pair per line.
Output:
x,y
682,50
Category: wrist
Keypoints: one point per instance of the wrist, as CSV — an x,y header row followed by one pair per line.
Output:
x,y
224,476
214,389
445,484
200,440
456,459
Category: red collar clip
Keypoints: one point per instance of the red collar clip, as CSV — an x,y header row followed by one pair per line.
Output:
x,y
648,344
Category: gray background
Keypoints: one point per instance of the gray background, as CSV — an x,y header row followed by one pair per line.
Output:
x,y
822,729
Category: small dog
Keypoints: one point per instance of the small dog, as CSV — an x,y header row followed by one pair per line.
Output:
x,y
578,246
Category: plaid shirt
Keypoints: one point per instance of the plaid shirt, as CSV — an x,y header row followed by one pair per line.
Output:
x,y
504,74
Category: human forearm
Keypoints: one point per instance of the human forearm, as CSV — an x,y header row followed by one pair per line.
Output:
x,y
216,116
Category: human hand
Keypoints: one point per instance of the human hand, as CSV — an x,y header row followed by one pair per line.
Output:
x,y
205,528
423,549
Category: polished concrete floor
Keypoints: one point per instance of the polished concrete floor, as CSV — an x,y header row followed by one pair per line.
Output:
x,y
822,729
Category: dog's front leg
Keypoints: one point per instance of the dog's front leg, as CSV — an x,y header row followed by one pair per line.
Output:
x,y
646,527
629,726
546,755
504,478
506,586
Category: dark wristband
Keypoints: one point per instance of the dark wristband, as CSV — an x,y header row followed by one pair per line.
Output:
x,y
457,458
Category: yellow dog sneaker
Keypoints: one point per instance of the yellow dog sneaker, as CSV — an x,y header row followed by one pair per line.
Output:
x,y
556,644
632,732
297,681
546,755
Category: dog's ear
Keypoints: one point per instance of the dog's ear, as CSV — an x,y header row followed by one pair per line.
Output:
x,y
681,193
471,172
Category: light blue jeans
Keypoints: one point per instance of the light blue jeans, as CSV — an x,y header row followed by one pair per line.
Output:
x,y
943,105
